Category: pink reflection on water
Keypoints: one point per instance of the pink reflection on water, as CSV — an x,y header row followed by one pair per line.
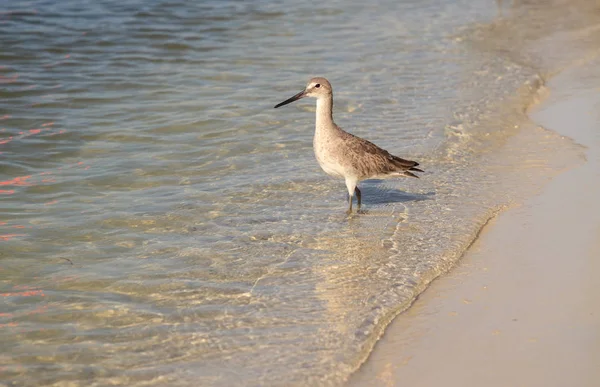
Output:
x,y
46,127
7,237
18,181
27,293
12,79
21,291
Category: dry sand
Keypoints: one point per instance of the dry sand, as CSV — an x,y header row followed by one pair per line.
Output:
x,y
523,306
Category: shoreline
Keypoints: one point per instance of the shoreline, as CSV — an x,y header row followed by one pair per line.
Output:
x,y
518,307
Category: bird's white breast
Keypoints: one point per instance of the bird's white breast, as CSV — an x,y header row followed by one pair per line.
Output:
x,y
325,152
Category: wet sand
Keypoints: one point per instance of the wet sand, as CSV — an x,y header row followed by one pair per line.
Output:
x,y
521,308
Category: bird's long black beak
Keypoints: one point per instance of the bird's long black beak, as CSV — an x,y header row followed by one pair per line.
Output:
x,y
301,94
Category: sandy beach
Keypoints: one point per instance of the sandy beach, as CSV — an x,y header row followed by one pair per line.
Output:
x,y
521,307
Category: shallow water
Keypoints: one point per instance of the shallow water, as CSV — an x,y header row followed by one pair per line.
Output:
x,y
163,225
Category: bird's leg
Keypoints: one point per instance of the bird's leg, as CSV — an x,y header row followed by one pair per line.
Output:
x,y
357,192
350,205
351,185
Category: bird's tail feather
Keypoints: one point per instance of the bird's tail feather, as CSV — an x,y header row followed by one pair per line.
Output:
x,y
406,173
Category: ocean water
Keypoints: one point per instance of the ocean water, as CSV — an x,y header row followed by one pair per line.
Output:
x,y
162,224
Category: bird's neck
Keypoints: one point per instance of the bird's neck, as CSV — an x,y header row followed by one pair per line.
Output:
x,y
324,121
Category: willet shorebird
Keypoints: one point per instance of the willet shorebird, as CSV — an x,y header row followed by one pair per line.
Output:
x,y
341,154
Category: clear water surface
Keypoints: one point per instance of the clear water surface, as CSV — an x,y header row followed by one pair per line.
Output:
x,y
161,224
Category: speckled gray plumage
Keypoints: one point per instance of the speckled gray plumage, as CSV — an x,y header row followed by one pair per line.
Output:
x,y
369,161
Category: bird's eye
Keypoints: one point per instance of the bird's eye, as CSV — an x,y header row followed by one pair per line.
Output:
x,y
318,85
